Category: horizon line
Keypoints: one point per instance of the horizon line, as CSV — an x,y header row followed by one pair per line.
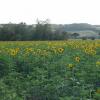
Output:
x,y
50,23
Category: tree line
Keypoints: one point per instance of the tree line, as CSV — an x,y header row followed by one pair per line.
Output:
x,y
42,30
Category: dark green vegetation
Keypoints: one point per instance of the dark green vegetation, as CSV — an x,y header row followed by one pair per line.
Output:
x,y
43,30
63,70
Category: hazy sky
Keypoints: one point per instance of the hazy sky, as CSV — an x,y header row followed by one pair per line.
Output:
x,y
58,11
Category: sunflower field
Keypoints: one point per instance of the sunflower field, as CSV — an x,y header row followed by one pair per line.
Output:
x,y
50,70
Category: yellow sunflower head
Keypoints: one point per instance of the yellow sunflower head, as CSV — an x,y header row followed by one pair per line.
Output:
x,y
60,50
77,59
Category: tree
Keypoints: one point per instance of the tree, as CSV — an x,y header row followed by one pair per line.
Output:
x,y
99,35
75,35
42,30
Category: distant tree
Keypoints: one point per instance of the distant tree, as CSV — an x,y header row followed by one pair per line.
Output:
x,y
65,35
75,35
13,32
84,38
99,35
42,30
92,38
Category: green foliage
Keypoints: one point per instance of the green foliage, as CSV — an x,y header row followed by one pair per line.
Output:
x,y
33,75
43,30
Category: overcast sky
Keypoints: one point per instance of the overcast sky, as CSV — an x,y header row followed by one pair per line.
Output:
x,y
58,11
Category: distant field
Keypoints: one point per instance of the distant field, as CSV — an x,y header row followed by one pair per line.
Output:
x,y
45,70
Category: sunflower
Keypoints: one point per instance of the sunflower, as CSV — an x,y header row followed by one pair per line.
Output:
x,y
70,65
98,91
60,50
77,59
98,63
